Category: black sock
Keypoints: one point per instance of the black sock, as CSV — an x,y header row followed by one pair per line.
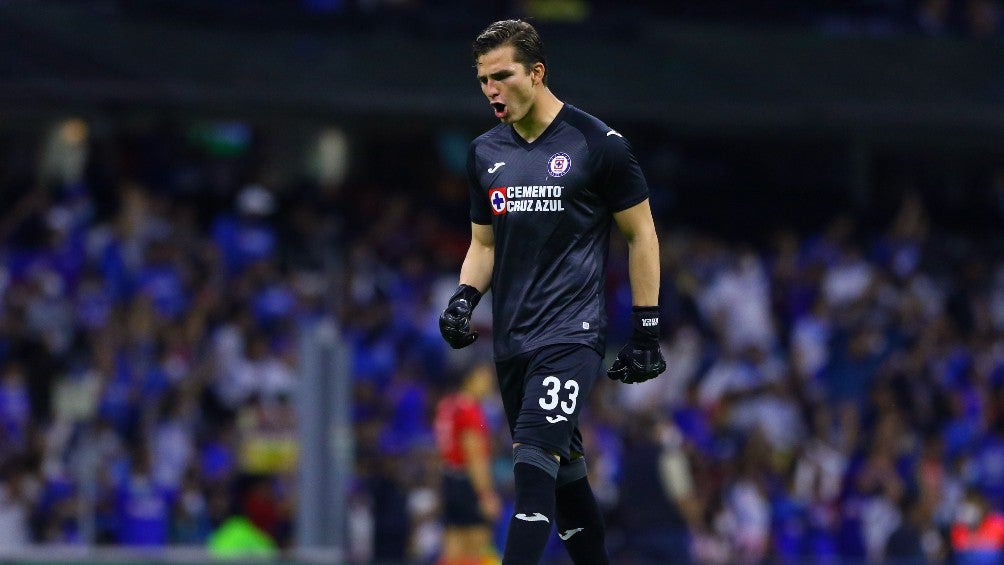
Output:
x,y
580,524
533,515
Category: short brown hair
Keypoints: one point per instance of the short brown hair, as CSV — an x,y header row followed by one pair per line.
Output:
x,y
526,43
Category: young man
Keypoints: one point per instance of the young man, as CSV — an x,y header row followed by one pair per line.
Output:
x,y
470,504
545,186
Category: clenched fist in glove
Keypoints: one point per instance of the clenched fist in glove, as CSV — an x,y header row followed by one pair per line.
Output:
x,y
455,321
640,359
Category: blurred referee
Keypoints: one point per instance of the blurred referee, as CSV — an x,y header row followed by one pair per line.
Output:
x,y
470,504
545,186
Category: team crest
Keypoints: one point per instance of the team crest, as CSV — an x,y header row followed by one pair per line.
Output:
x,y
496,197
558,164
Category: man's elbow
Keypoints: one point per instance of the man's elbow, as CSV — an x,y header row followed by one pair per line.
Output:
x,y
642,236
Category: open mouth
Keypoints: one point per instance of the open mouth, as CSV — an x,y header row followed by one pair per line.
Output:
x,y
499,108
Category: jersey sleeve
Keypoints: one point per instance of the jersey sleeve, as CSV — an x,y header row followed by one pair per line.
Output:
x,y
481,212
620,182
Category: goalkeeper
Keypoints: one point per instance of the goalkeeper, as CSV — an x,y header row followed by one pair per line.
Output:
x,y
546,184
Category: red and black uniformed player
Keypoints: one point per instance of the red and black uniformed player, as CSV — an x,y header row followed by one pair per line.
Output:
x,y
546,185
470,505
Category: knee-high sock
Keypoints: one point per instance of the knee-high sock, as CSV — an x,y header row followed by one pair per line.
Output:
x,y
530,525
580,524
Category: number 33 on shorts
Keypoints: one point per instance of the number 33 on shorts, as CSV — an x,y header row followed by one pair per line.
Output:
x,y
556,396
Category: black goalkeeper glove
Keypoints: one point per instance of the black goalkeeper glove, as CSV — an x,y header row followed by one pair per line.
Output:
x,y
640,359
455,321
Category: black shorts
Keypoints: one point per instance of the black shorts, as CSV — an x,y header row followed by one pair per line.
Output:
x,y
543,392
460,502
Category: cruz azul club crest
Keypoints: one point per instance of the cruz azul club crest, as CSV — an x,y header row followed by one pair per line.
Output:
x,y
558,164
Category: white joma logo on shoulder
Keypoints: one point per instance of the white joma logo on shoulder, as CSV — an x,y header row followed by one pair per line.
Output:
x,y
495,167
569,533
535,517
613,132
556,419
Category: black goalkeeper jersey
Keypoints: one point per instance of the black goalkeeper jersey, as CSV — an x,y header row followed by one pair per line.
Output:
x,y
550,204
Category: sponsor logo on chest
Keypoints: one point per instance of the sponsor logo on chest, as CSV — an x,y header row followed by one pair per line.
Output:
x,y
506,199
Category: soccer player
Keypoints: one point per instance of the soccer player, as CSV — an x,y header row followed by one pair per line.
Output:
x,y
545,186
470,504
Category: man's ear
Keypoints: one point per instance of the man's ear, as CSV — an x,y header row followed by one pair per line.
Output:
x,y
537,72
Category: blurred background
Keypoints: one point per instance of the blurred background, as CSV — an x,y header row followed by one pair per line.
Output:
x,y
228,228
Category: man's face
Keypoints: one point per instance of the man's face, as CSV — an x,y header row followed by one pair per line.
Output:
x,y
506,83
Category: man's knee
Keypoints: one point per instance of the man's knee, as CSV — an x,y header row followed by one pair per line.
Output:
x,y
536,456
571,471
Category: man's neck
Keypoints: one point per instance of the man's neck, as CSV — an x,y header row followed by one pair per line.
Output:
x,y
545,109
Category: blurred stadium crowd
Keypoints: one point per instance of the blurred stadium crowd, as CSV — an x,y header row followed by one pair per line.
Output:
x,y
961,18
833,395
